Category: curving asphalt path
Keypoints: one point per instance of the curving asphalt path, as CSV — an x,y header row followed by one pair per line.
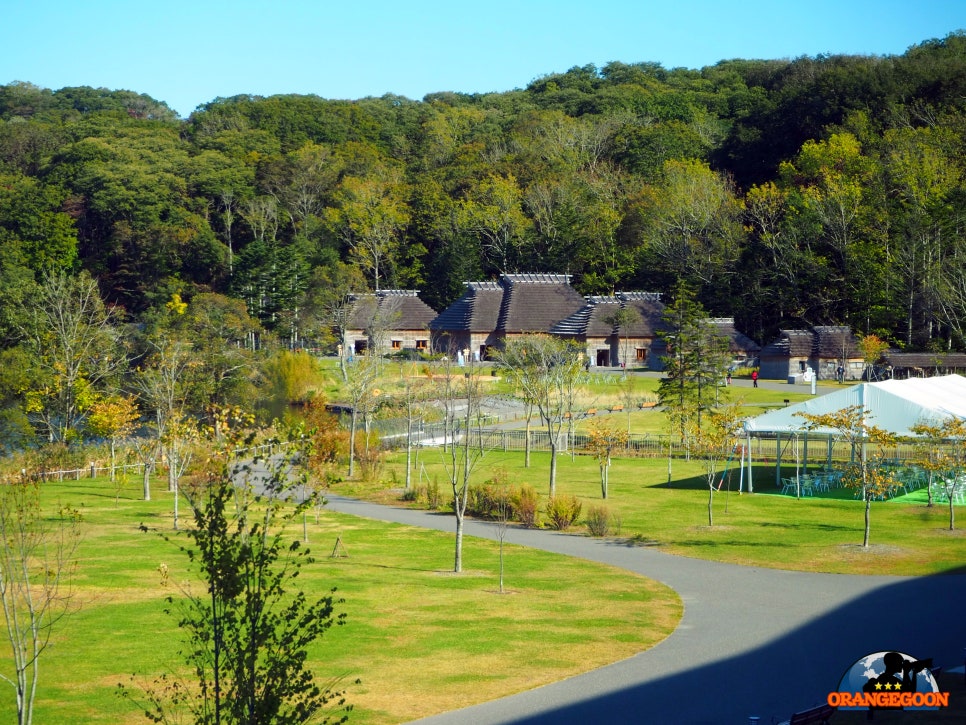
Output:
x,y
752,642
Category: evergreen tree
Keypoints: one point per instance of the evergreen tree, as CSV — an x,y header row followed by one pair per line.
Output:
x,y
695,364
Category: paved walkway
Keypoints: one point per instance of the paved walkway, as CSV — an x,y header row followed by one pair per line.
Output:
x,y
752,641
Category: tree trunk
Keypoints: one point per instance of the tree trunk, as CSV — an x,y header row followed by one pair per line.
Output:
x,y
172,470
553,467
458,559
352,443
409,452
526,444
868,512
176,497
146,480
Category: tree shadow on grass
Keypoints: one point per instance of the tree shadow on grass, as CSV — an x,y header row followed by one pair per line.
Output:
x,y
802,526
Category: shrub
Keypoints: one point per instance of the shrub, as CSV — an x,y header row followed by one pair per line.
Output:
x,y
433,496
481,500
524,504
598,520
485,499
410,494
562,511
616,523
371,464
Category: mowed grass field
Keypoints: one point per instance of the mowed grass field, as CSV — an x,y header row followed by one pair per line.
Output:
x,y
820,534
421,639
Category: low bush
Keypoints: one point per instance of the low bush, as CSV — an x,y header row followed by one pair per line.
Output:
x,y
616,523
481,500
562,512
524,502
598,520
433,496
490,499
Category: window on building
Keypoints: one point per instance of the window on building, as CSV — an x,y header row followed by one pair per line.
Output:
x,y
397,344
422,344
641,354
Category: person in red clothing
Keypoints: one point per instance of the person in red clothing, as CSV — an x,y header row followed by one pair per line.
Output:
x,y
754,378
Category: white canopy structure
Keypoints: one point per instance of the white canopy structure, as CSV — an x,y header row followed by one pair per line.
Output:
x,y
893,405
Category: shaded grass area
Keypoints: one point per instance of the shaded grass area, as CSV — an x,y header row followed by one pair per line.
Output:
x,y
416,634
821,534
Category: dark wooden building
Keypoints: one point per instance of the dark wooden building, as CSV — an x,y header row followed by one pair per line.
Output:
x,y
489,312
618,330
388,321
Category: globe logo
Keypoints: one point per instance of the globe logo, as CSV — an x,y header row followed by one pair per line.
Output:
x,y
889,680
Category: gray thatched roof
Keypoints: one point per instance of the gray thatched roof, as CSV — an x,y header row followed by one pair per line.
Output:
x,y
476,311
396,309
596,317
738,342
926,363
826,342
516,303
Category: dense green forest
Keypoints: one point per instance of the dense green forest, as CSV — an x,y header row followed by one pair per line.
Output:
x,y
819,190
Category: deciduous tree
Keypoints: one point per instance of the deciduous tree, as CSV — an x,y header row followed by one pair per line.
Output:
x,y
37,560
546,369
602,439
867,474
247,634
113,417
370,218
941,451
362,372
713,443
72,340
461,396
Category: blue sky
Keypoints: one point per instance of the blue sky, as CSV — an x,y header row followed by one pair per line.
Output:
x,y
189,52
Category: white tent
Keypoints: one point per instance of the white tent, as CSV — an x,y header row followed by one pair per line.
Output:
x,y
893,405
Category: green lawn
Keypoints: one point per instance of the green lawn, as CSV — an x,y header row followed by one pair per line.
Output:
x,y
415,633
821,534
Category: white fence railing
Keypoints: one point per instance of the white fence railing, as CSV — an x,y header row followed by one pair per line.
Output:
x,y
94,468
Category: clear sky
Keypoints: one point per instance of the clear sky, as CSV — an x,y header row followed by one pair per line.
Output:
x,y
189,52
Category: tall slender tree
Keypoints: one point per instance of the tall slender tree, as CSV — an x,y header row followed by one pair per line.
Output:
x,y
546,368
37,560
696,361
74,344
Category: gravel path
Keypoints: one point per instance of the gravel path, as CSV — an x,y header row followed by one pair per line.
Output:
x,y
752,642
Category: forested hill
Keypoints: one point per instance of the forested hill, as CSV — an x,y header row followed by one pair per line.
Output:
x,y
825,190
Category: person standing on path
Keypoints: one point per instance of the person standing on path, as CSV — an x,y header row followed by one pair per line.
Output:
x,y
754,378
